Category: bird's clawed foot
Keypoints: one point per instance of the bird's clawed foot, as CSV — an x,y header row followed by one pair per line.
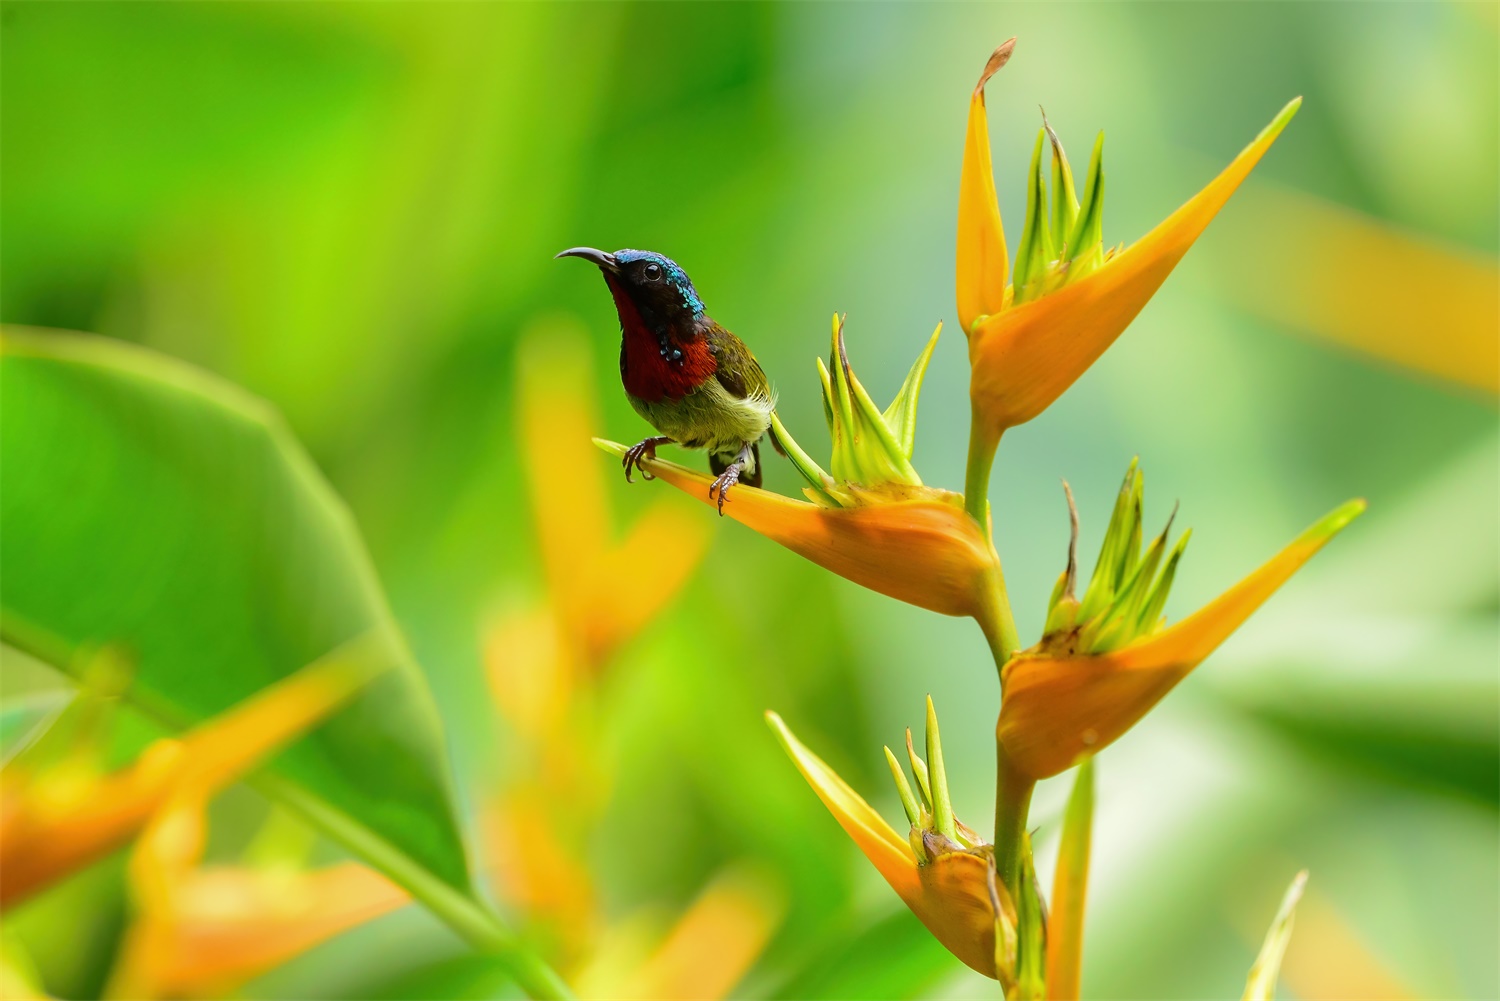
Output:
x,y
729,477
643,450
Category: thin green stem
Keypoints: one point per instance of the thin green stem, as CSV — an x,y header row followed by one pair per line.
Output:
x,y
982,445
1012,804
470,919
996,619
1012,790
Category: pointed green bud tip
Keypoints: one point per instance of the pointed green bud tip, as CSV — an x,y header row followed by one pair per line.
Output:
x,y
919,771
1335,521
908,801
942,805
1285,115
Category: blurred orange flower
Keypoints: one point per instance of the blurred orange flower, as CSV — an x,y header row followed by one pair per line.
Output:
x,y
543,657
51,827
203,931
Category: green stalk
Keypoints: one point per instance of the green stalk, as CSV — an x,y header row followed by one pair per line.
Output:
x,y
982,448
1012,804
466,916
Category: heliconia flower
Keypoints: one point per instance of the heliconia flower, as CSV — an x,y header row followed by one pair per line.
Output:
x,y
49,829
873,522
575,528
914,544
1106,659
1069,296
702,956
942,870
203,931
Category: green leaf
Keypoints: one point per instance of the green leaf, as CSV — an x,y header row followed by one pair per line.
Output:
x,y
1031,959
157,510
1261,984
1070,888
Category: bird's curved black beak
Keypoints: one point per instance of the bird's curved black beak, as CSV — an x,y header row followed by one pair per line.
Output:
x,y
599,257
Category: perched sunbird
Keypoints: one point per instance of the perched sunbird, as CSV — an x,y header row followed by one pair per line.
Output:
x,y
692,380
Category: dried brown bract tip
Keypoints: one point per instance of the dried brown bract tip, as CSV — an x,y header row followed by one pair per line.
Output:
x,y
998,58
1069,588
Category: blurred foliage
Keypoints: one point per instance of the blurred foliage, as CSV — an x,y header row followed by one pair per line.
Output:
x,y
350,209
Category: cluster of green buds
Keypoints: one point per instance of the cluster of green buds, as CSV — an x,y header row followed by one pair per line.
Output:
x,y
1063,238
934,828
872,448
937,835
1128,591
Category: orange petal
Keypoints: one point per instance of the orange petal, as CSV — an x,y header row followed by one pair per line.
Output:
x,y
1053,710
914,544
39,845
983,264
539,868
604,593
634,581
568,499
950,894
1025,357
713,945
229,924
1299,260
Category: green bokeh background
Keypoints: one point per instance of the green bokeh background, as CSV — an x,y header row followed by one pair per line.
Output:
x,y
351,210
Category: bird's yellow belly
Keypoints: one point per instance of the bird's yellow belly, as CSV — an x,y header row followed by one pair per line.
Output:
x,y
709,418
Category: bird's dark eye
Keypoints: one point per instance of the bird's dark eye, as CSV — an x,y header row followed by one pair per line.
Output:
x,y
653,272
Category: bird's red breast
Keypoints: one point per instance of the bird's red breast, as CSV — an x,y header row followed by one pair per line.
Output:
x,y
649,373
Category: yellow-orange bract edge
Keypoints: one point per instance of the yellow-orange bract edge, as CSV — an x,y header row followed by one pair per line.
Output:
x,y
914,544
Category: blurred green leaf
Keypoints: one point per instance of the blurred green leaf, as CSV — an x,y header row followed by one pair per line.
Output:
x,y
1420,750
149,506
155,509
